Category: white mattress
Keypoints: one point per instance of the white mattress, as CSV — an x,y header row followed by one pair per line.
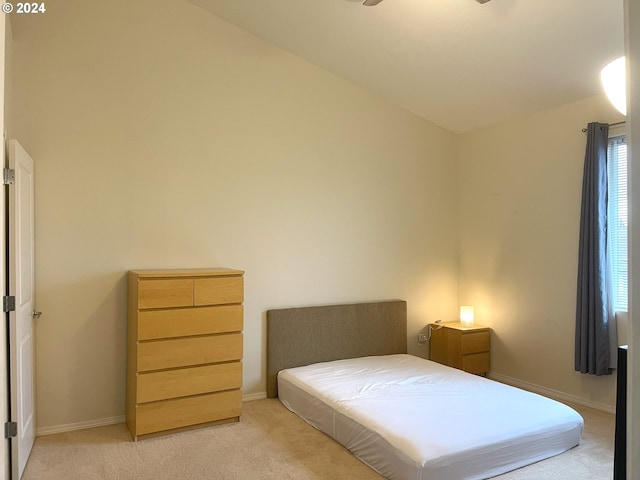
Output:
x,y
410,418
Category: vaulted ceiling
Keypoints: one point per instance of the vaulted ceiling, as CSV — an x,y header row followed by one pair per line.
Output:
x,y
457,63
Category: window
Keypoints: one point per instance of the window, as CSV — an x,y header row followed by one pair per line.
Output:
x,y
618,220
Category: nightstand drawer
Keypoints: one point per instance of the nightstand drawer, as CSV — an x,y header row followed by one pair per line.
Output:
x,y
189,381
218,290
475,342
461,346
183,352
476,363
160,293
183,322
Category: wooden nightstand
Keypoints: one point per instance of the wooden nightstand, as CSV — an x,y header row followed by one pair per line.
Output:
x,y
459,346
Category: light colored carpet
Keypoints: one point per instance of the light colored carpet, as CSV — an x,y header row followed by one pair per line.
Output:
x,y
268,443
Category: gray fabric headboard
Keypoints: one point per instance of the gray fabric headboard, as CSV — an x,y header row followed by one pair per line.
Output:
x,y
302,336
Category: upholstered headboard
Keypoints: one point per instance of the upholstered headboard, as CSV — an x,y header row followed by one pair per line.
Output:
x,y
302,336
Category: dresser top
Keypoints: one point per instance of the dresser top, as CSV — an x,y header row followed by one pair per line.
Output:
x,y
187,272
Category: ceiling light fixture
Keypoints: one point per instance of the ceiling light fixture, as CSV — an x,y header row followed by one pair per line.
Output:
x,y
613,77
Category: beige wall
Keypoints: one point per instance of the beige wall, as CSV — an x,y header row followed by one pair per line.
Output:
x,y
168,138
164,137
520,191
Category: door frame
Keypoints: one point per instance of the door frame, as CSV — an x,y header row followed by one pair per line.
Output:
x,y
5,464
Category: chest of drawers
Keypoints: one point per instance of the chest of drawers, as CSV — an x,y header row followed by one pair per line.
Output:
x,y
462,347
184,349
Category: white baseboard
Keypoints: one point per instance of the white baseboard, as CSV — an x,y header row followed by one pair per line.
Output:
x,y
254,396
548,392
69,427
101,422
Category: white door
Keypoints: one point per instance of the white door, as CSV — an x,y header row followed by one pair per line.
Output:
x,y
21,339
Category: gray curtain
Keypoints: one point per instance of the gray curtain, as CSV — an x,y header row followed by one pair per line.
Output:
x,y
594,312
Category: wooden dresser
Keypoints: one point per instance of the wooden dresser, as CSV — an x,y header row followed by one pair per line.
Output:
x,y
462,347
184,349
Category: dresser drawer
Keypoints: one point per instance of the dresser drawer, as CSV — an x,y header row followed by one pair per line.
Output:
x,y
182,352
168,414
476,363
183,322
475,342
189,381
218,290
161,293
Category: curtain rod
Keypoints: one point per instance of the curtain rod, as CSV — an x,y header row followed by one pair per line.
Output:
x,y
611,125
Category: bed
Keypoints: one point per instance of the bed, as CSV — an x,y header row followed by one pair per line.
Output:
x,y
344,369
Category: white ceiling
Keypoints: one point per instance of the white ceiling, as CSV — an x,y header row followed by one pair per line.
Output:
x,y
457,63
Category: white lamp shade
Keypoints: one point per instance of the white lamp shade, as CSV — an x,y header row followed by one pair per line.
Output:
x,y
614,79
466,316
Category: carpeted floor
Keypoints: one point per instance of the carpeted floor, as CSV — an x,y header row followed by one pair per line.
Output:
x,y
268,443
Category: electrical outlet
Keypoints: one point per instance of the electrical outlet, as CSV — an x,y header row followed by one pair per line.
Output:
x,y
422,338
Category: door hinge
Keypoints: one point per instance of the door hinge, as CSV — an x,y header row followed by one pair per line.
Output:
x,y
9,303
10,429
8,176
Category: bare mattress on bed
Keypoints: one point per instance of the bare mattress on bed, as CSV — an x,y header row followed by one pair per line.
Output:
x,y
410,418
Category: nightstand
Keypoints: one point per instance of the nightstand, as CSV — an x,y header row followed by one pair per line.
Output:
x,y
462,347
